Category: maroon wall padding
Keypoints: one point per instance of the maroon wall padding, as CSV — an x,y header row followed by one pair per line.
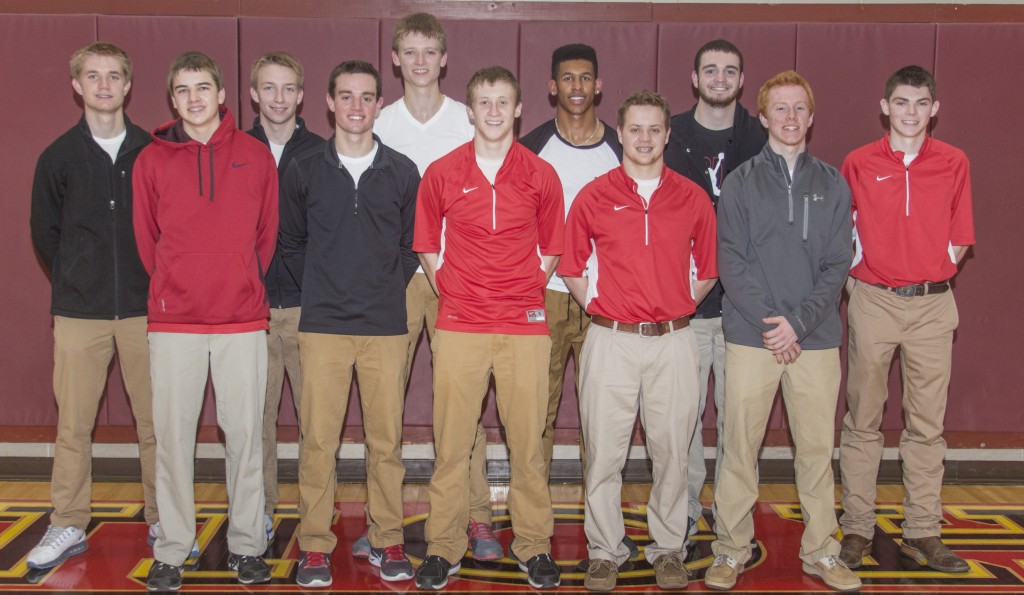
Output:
x,y
767,49
42,109
627,54
846,63
979,112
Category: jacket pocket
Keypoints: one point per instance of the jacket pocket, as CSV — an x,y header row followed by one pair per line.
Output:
x,y
207,287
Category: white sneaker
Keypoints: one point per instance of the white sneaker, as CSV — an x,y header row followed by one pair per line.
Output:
x,y
154,533
57,545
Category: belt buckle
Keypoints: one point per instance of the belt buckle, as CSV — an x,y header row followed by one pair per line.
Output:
x,y
907,291
648,329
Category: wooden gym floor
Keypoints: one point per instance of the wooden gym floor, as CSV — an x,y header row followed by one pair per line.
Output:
x,y
984,524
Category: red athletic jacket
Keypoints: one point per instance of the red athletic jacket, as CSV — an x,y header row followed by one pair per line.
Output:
x,y
489,273
641,268
206,226
906,219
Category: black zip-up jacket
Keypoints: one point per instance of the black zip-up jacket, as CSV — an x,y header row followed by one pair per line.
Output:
x,y
283,290
350,249
82,225
746,140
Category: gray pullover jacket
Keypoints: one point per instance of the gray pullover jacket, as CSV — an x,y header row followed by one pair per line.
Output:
x,y
784,248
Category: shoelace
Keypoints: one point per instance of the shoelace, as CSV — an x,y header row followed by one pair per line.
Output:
x,y
833,561
56,535
724,559
394,553
316,559
243,560
159,566
481,531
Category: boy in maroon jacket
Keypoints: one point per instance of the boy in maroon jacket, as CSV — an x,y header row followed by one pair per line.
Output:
x,y
205,197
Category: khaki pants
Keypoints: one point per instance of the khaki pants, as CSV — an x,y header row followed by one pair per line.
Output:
x,y
711,346
327,364
463,364
922,327
421,312
180,364
567,323
621,373
81,359
810,390
282,355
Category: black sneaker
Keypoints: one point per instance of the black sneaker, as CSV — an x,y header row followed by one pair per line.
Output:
x,y
314,570
163,577
251,569
433,573
542,572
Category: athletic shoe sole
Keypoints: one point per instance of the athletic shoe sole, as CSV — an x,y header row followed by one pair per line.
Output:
x,y
74,550
522,566
451,571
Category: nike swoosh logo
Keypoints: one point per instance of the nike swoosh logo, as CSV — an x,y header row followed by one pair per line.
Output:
x,y
620,207
468,190
237,165
880,178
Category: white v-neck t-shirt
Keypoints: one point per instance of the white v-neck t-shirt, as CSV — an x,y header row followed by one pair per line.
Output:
x,y
424,143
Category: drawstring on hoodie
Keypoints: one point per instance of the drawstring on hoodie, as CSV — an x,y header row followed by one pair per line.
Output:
x,y
199,166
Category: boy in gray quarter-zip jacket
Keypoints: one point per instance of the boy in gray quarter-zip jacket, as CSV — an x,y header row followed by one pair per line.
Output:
x,y
784,252
785,243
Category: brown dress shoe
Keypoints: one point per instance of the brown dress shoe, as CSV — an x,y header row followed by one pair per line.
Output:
x,y
854,548
931,552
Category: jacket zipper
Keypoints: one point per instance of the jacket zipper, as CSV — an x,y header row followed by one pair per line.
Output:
x,y
805,216
113,226
907,179
494,207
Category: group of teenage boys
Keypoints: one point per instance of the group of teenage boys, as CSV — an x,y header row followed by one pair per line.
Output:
x,y
682,246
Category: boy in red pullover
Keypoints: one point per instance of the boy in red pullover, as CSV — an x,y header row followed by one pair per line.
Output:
x,y
205,197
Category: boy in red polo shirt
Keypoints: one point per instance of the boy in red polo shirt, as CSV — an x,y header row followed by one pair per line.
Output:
x,y
912,226
489,233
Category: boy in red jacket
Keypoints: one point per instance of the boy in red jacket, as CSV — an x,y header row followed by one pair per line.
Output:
x,y
205,197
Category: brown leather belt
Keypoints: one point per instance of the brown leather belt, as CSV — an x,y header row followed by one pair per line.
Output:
x,y
644,329
917,290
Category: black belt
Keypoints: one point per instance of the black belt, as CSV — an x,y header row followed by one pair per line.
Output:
x,y
917,290
644,329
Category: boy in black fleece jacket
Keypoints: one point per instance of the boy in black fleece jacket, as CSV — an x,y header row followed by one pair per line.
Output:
x,y
346,236
82,227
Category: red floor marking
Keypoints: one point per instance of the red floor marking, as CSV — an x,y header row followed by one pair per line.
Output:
x,y
990,537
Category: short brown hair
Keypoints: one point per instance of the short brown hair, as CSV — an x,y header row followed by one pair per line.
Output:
x,y
914,76
101,49
279,59
783,79
195,62
492,75
423,23
645,98
353,67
